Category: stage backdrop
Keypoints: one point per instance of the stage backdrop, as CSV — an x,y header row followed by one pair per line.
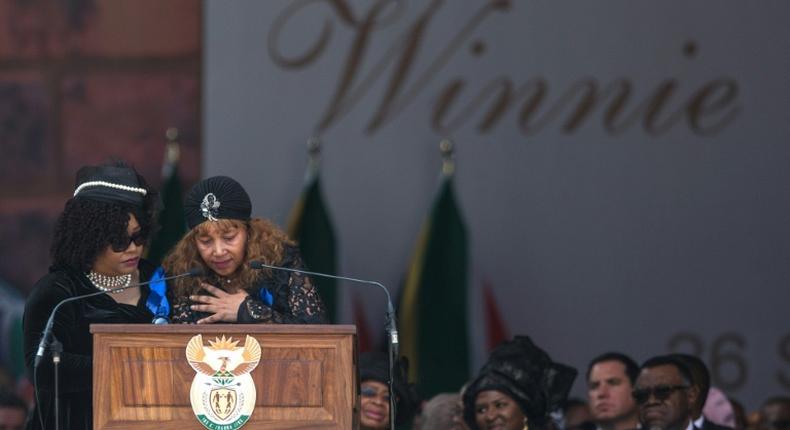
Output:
x,y
623,167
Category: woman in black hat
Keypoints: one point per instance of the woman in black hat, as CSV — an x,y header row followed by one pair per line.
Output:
x,y
517,388
223,239
97,246
374,407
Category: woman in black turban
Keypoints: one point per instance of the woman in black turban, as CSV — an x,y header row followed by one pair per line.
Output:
x,y
374,406
97,246
517,388
223,239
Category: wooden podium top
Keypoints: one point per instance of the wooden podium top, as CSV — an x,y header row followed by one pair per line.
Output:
x,y
306,377
225,328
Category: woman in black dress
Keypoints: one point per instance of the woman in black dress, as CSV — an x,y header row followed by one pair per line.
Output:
x,y
222,241
97,246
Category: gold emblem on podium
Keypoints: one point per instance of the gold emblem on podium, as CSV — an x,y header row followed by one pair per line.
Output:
x,y
223,393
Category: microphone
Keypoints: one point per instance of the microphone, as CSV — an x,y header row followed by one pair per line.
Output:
x,y
390,309
391,326
42,345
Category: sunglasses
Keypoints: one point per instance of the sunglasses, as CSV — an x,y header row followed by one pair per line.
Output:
x,y
660,392
372,392
121,244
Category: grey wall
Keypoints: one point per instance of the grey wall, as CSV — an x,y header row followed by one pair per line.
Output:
x,y
617,232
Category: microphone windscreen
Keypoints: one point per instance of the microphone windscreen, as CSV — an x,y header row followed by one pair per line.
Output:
x,y
195,271
256,264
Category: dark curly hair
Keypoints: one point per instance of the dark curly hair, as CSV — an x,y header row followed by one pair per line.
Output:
x,y
87,227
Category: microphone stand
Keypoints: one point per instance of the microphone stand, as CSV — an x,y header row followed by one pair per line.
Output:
x,y
391,326
56,348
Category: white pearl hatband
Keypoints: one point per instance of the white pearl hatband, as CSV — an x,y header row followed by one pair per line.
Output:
x,y
142,191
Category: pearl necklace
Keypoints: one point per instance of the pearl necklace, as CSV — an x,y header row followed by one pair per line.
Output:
x,y
109,283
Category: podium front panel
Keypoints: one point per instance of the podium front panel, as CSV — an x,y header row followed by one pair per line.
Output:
x,y
306,377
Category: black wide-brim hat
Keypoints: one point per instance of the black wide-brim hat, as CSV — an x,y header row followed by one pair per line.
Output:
x,y
526,373
214,198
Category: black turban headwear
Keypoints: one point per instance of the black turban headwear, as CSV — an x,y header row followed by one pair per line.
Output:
x,y
374,366
522,370
218,197
112,184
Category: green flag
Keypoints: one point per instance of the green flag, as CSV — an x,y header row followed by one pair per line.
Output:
x,y
171,218
433,324
311,226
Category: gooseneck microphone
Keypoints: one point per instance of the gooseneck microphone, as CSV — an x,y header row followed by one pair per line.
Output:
x,y
47,333
391,326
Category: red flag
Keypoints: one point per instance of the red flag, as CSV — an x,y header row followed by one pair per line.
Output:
x,y
361,321
496,330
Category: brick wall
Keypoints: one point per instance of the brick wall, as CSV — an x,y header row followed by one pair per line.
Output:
x,y
82,81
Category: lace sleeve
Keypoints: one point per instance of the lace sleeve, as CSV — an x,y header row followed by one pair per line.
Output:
x,y
296,300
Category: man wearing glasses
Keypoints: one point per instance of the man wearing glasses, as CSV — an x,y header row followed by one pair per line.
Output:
x,y
665,394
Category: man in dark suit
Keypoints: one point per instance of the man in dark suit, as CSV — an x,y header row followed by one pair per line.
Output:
x,y
701,379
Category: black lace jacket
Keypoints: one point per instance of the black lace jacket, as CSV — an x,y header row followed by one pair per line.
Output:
x,y
294,298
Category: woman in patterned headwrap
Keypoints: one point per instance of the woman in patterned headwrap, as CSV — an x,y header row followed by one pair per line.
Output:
x,y
97,246
223,239
518,388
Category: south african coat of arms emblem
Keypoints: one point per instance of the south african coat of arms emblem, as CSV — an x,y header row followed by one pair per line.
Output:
x,y
223,393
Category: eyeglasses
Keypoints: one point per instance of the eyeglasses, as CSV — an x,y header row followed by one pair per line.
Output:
x,y
122,243
660,392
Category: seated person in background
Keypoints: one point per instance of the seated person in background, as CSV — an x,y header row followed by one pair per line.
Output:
x,y
610,380
718,409
13,411
443,412
223,240
775,414
700,379
666,394
739,414
518,388
577,415
374,410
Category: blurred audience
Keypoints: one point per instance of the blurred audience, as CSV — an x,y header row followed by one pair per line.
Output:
x,y
13,411
443,412
718,410
775,414
577,416
739,415
701,380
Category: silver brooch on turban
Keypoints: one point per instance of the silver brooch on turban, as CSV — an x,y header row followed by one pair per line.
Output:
x,y
209,207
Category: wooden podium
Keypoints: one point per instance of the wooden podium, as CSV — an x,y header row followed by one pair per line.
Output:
x,y
306,377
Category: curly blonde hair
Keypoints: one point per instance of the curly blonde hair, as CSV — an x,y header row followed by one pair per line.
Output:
x,y
265,243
